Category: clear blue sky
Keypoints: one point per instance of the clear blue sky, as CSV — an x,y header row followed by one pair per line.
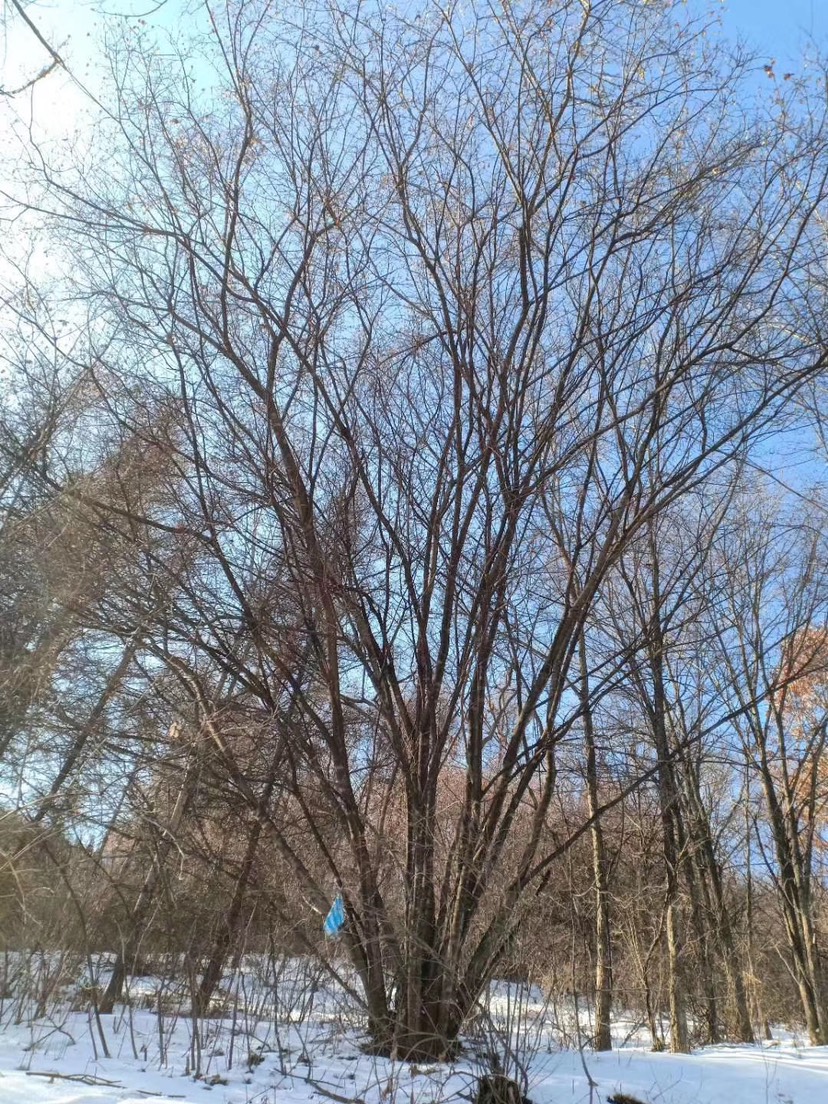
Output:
x,y
777,28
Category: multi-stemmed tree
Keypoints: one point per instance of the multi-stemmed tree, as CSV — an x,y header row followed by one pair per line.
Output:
x,y
404,306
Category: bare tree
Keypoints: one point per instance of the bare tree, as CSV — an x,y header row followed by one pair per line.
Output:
x,y
421,295
773,662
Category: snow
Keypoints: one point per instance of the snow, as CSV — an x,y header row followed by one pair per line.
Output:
x,y
313,1055
784,1074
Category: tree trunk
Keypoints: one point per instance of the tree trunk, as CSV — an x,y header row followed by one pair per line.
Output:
x,y
710,874
668,795
128,953
679,1038
603,938
228,931
794,887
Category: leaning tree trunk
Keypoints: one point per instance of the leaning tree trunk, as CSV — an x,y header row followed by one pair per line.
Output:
x,y
142,908
73,755
228,930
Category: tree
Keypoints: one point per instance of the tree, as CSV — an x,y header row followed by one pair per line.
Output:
x,y
773,663
421,295
663,607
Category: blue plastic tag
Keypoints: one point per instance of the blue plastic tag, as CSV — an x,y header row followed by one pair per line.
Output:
x,y
335,920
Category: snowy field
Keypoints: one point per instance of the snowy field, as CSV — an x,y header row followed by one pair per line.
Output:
x,y
304,1046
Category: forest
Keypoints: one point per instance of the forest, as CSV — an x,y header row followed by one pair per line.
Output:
x,y
412,459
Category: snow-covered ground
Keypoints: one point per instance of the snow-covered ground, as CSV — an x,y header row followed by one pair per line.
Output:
x,y
251,1056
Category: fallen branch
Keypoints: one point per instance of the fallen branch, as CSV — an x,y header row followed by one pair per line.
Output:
x,y
332,1095
83,1078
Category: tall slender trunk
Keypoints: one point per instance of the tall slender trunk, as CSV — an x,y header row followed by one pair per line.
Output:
x,y
603,938
794,879
711,881
699,899
679,1037
705,965
668,796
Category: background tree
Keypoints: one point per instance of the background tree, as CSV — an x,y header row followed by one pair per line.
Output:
x,y
772,655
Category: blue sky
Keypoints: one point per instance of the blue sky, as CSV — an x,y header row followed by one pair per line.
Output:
x,y
777,28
